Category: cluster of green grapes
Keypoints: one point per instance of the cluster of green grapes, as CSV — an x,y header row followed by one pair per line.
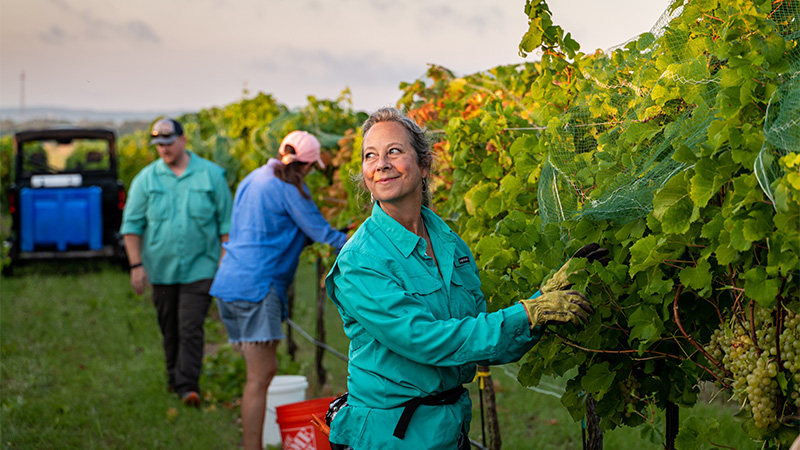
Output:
x,y
629,390
790,353
754,365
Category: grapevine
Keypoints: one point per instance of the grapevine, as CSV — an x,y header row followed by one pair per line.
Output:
x,y
692,257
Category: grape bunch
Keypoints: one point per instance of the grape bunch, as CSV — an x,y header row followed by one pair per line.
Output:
x,y
754,364
628,389
790,353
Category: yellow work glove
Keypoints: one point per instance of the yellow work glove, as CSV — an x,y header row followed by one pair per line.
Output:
x,y
558,307
560,280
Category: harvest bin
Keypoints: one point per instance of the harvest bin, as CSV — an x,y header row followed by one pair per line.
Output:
x,y
61,217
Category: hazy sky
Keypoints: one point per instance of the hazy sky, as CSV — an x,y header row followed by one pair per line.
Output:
x,y
146,55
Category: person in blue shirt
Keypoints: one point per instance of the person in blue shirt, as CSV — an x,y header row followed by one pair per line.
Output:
x,y
408,291
273,215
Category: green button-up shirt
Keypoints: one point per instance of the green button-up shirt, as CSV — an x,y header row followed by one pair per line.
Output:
x,y
414,333
180,219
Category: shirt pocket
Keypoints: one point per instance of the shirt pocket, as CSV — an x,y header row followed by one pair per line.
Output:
x,y
465,290
201,204
423,284
427,290
157,205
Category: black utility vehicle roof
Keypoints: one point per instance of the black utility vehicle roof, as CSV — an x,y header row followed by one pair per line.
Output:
x,y
64,133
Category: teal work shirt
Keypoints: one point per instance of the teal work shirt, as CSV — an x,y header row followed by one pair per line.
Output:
x,y
414,333
180,219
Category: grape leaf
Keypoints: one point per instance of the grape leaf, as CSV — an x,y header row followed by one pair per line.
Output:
x,y
696,431
698,277
646,327
597,380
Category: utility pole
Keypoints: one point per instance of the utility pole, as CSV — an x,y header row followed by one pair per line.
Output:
x,y
22,96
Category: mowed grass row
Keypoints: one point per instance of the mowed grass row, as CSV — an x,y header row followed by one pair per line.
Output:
x,y
81,367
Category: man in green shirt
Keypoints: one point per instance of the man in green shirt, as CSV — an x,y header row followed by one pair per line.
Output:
x,y
177,216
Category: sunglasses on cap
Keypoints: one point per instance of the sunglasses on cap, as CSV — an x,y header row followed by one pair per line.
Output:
x,y
156,134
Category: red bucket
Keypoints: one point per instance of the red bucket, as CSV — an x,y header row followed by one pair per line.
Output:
x,y
297,431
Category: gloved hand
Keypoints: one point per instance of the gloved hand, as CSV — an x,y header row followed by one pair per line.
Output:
x,y
558,307
560,280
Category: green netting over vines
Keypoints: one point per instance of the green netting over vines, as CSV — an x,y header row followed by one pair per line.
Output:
x,y
613,147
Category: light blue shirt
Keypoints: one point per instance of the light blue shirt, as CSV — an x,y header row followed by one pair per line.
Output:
x,y
180,219
414,333
268,230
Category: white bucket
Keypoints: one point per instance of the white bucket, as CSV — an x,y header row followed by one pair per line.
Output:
x,y
282,390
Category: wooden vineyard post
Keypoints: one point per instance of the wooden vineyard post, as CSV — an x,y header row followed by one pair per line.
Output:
x,y
322,374
595,434
672,424
486,387
290,343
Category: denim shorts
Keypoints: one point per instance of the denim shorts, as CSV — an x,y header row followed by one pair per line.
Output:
x,y
253,321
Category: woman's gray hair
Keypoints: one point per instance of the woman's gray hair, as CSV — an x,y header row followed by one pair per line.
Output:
x,y
417,137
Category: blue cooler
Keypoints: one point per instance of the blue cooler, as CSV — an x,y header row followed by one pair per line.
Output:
x,y
61,217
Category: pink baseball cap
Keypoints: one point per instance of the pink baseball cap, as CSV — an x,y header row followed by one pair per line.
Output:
x,y
306,148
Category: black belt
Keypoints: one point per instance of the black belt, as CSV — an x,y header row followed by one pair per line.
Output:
x,y
448,397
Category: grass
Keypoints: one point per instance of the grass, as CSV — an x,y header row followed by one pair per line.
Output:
x,y
81,366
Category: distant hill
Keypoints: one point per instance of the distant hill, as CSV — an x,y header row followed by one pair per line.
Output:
x,y
79,115
123,122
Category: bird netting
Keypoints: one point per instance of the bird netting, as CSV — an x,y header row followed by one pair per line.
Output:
x,y
642,101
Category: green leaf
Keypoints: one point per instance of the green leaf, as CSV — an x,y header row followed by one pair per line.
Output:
x,y
698,277
758,226
725,252
762,289
488,247
658,286
573,400
646,327
713,228
738,240
491,168
493,206
478,196
643,255
684,154
598,379
673,207
695,432
710,175
702,188
532,38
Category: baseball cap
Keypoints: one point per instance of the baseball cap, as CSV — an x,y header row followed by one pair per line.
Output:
x,y
306,147
165,131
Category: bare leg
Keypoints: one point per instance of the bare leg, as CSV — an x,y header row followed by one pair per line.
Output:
x,y
262,365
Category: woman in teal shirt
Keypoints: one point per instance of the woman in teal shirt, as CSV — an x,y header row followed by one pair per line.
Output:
x,y
408,292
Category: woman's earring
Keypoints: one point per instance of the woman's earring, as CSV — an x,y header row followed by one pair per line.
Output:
x,y
371,197
424,185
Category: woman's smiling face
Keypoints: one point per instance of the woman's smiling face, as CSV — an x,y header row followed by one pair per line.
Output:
x,y
390,165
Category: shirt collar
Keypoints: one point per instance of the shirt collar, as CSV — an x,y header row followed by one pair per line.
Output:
x,y
398,235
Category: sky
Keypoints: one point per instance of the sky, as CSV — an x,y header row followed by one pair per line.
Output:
x,y
151,55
